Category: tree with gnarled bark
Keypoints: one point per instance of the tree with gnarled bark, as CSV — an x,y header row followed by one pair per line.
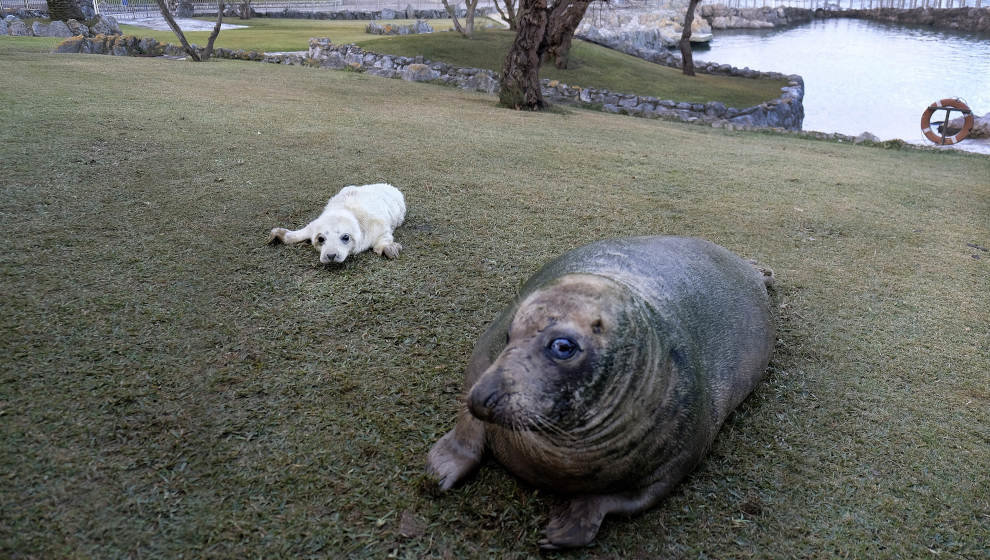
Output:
x,y
545,31
64,10
687,57
198,55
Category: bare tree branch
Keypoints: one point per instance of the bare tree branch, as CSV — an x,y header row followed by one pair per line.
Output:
x,y
194,54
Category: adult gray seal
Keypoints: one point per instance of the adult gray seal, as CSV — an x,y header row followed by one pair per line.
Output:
x,y
608,376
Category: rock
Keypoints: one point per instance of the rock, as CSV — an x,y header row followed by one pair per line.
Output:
x,y
981,126
17,28
422,27
39,29
640,32
410,12
105,25
865,137
419,73
629,102
3,27
333,60
388,13
71,45
482,81
59,29
185,9
77,28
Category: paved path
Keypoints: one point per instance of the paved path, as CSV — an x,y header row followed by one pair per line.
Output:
x,y
158,22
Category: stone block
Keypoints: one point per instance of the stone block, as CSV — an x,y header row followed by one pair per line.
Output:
x,y
418,72
17,28
71,45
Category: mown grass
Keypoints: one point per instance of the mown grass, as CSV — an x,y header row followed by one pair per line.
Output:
x,y
590,66
276,34
171,386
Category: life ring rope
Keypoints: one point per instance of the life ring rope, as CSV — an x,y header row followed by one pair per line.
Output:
x,y
948,105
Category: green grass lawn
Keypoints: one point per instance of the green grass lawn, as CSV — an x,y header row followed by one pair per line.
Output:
x,y
591,65
170,386
276,34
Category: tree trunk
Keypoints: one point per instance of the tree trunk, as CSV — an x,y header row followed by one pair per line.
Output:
x,y
64,10
246,9
509,14
520,86
470,7
565,16
194,54
208,51
685,44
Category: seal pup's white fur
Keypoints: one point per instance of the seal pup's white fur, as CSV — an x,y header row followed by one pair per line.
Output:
x,y
356,219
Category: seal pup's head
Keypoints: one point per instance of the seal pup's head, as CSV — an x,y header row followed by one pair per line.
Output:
x,y
555,373
336,234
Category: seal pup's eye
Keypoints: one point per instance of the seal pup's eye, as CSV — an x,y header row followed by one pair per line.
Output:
x,y
346,238
562,348
320,239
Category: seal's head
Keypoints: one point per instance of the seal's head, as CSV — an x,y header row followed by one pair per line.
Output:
x,y
554,374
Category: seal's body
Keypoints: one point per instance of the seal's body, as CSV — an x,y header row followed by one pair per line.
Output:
x,y
609,375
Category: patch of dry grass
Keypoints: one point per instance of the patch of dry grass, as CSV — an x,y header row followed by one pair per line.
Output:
x,y
170,385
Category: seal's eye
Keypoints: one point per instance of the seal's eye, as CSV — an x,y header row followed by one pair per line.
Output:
x,y
346,238
562,348
320,240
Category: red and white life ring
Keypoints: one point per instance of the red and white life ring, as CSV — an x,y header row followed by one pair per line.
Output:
x,y
947,105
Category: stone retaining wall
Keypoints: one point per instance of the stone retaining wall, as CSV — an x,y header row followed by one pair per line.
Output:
x,y
722,17
15,26
959,19
976,20
385,13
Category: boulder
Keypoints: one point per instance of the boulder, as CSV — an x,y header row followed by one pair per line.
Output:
x,y
71,45
981,126
388,13
419,73
3,27
482,81
59,29
422,27
410,12
17,28
77,28
105,25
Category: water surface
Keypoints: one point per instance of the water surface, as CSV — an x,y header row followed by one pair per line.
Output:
x,y
861,75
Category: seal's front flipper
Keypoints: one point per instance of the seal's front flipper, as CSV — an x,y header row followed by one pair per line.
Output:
x,y
458,453
575,524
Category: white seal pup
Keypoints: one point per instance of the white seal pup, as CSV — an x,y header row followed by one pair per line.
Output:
x,y
356,219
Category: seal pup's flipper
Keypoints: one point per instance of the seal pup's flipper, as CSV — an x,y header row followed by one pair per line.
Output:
x,y
458,453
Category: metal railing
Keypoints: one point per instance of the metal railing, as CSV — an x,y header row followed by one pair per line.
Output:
x,y
11,5
142,8
847,4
